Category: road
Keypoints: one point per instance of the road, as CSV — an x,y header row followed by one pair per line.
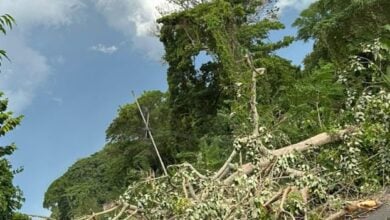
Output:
x,y
383,213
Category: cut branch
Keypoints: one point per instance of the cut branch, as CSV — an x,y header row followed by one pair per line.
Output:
x,y
275,198
131,215
305,196
355,206
192,191
184,185
41,217
245,169
316,141
191,168
284,197
295,173
94,214
218,174
337,215
125,206
226,172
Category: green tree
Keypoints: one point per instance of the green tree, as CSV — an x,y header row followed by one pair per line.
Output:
x,y
339,27
128,155
6,21
20,216
10,195
228,32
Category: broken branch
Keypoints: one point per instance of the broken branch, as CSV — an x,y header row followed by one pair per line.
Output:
x,y
318,140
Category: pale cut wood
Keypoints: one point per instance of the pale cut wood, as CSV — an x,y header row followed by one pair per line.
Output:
x,y
316,141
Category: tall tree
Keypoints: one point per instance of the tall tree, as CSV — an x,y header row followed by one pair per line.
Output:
x,y
231,34
339,27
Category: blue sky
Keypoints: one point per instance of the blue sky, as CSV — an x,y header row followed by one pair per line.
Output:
x,y
73,63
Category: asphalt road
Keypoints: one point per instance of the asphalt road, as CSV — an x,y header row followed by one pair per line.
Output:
x,y
383,213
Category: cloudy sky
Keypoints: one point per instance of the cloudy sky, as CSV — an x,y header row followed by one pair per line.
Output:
x,y
73,62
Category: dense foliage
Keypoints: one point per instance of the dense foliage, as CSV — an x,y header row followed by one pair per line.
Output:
x,y
199,97
247,101
339,27
310,180
10,195
94,181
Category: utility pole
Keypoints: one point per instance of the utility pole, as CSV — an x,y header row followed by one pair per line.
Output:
x,y
146,122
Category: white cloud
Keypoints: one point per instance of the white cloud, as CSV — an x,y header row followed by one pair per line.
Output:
x,y
136,19
298,5
58,60
57,100
32,13
104,49
30,68
130,16
20,78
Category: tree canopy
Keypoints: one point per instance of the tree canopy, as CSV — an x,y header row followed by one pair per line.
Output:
x,y
339,28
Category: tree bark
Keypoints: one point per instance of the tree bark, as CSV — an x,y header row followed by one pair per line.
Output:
x,y
316,141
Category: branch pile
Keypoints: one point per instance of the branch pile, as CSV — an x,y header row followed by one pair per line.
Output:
x,y
272,184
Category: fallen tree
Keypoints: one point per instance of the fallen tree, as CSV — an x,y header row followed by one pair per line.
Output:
x,y
196,194
267,186
245,169
310,143
258,181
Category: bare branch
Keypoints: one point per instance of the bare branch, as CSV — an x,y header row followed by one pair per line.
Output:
x,y
318,140
125,206
191,168
184,183
131,215
192,191
96,214
337,215
218,174
274,198
40,216
305,196
295,173
245,169
284,197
